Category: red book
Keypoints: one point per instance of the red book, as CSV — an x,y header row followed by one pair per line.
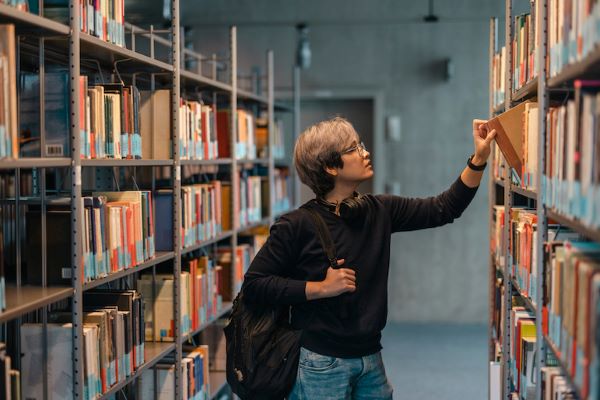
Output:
x,y
224,133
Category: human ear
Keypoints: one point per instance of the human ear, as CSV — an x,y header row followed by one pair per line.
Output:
x,y
331,171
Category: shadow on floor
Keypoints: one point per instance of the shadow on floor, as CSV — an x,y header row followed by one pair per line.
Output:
x,y
436,361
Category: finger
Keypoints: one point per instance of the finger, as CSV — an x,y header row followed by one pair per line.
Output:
x,y
351,288
490,136
349,271
478,122
350,279
341,261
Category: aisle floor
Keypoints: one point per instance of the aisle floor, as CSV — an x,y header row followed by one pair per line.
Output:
x,y
435,361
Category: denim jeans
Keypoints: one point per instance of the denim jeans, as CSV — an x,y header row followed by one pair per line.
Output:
x,y
330,378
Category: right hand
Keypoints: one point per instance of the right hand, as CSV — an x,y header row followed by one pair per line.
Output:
x,y
338,281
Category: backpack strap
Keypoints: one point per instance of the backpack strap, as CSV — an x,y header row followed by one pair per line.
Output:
x,y
324,236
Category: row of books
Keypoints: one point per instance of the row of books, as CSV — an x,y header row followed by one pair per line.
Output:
x,y
109,121
18,4
113,346
245,141
281,191
572,31
198,136
522,350
573,310
203,209
262,138
249,202
499,77
572,171
8,91
555,385
205,213
118,234
524,47
104,19
159,381
200,296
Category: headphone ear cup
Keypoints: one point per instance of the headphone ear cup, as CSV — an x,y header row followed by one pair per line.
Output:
x,y
352,208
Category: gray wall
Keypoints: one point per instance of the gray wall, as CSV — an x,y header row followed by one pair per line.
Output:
x,y
436,275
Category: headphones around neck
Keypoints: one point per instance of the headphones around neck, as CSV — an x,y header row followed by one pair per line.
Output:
x,y
352,209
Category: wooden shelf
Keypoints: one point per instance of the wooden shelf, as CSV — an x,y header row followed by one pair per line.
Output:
x,y
23,299
562,366
524,192
107,53
159,258
27,23
111,162
528,303
245,95
219,161
154,352
252,161
222,236
575,225
28,163
224,310
189,78
528,90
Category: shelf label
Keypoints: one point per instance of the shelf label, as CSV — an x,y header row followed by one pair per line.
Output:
x,y
78,175
178,173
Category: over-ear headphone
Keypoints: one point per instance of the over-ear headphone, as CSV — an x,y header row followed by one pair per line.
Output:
x,y
352,209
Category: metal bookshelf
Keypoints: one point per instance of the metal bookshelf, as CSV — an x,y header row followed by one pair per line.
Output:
x,y
81,50
540,87
536,87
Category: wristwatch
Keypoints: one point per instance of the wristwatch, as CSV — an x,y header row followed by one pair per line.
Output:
x,y
475,167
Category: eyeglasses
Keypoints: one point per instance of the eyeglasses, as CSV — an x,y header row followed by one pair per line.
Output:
x,y
360,148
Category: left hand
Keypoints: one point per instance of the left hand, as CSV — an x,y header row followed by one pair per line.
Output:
x,y
482,139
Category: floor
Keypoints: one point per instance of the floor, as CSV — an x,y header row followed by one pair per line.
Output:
x,y
436,362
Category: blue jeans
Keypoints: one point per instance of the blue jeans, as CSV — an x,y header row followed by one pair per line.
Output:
x,y
330,378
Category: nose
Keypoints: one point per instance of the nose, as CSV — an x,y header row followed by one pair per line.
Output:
x,y
366,154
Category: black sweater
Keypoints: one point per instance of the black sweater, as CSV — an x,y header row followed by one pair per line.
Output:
x,y
349,325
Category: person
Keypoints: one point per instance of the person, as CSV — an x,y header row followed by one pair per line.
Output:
x,y
342,311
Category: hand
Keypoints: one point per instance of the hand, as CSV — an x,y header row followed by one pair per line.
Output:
x,y
482,139
338,281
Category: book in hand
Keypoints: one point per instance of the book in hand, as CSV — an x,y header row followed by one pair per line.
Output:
x,y
509,135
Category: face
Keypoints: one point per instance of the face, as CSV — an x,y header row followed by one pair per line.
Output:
x,y
357,164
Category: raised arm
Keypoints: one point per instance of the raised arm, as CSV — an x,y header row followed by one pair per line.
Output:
x,y
413,213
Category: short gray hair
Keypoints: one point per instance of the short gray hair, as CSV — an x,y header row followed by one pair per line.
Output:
x,y
319,147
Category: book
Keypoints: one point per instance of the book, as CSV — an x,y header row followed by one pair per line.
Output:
x,y
9,146
509,137
56,114
157,142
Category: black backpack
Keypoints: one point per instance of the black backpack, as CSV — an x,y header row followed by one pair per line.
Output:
x,y
262,348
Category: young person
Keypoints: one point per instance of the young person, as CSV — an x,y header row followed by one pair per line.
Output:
x,y
342,311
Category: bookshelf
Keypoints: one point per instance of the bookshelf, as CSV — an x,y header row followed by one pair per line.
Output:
x,y
154,59
547,202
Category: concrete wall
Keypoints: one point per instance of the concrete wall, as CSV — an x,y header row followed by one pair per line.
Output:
x,y
436,275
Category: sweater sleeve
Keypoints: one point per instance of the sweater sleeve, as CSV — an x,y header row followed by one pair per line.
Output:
x,y
268,278
409,214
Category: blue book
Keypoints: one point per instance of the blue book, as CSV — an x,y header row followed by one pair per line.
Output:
x,y
163,220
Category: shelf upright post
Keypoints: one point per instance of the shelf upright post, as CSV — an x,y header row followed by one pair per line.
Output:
x,y
43,221
492,200
235,182
175,99
296,86
76,223
508,200
542,222
271,130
